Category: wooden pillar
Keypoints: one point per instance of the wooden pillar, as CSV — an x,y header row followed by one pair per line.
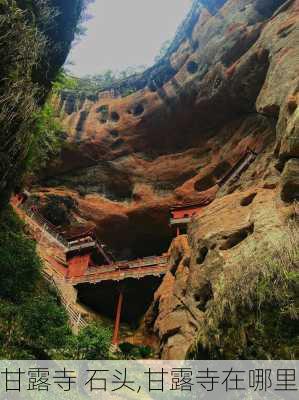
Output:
x,y
115,339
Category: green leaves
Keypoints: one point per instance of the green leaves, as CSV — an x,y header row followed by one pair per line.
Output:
x,y
46,140
255,311
92,343
34,329
44,323
19,264
33,325
64,81
31,321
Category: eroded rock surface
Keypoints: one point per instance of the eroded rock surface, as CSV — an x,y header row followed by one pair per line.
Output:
x,y
290,181
128,159
217,241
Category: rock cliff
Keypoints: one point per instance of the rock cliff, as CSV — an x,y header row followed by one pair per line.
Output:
x,y
35,39
231,84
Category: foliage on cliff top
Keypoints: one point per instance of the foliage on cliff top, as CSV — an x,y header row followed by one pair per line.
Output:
x,y
255,310
92,84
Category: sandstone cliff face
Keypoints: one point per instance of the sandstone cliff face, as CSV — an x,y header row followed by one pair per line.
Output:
x,y
242,224
128,159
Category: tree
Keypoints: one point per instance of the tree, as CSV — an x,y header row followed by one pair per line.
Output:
x,y
19,264
33,329
45,324
31,320
46,140
64,81
92,343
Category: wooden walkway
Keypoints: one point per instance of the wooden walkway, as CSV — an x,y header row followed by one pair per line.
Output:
x,y
87,242
118,271
236,171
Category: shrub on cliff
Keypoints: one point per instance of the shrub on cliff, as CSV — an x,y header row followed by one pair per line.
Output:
x,y
31,321
255,310
21,45
19,264
35,38
92,343
46,139
32,330
33,324
135,352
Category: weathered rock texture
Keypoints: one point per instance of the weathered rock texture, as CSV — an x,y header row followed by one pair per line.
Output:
x,y
35,39
128,159
251,221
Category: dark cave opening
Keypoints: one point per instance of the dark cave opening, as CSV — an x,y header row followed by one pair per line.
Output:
x,y
103,109
204,183
150,232
192,67
248,200
128,245
114,116
114,133
150,244
104,113
81,121
139,234
117,143
138,109
138,296
237,237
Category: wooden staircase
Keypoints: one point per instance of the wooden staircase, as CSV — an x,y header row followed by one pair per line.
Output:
x,y
234,174
76,319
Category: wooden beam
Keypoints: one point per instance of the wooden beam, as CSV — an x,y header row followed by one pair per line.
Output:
x,y
115,339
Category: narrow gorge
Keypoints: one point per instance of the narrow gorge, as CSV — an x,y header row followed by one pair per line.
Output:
x,y
171,212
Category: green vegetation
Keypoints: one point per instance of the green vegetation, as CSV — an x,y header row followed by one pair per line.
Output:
x,y
107,78
35,37
134,352
31,321
17,259
18,56
255,310
91,84
56,213
64,81
46,139
92,343
33,324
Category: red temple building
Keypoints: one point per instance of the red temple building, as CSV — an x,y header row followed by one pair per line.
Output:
x,y
181,215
